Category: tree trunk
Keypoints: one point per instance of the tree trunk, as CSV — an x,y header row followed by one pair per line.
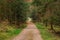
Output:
x,y
46,24
52,27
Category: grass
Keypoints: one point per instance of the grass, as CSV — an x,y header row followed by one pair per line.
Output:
x,y
46,35
7,32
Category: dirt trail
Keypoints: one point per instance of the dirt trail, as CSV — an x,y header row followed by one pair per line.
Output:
x,y
29,33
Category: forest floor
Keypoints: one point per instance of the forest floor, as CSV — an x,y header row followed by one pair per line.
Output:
x,y
46,33
29,33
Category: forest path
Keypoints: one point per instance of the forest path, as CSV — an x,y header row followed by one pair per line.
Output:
x,y
29,33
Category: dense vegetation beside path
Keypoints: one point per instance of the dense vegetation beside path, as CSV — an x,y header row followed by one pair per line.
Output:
x,y
7,32
12,17
47,12
45,33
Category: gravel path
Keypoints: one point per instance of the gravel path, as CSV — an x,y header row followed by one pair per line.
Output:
x,y
29,33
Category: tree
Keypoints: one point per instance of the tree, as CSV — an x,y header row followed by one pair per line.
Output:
x,y
14,11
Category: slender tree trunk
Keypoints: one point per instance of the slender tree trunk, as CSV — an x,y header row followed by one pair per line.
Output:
x,y
46,24
52,27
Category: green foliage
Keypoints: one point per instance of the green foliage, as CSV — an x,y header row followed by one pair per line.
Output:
x,y
46,35
47,10
9,31
15,11
6,35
